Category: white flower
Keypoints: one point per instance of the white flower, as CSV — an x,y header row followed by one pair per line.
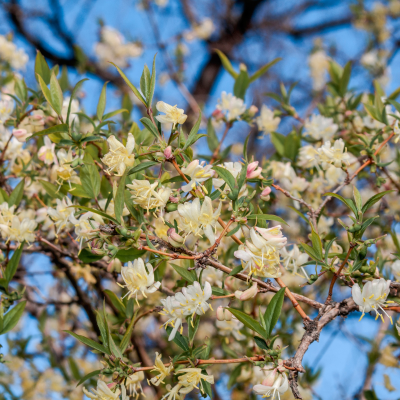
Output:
x,y
173,114
192,378
293,259
261,256
233,167
396,269
16,57
6,213
138,280
46,153
64,169
21,135
61,215
6,109
201,31
146,196
308,157
267,122
161,369
133,383
119,157
318,63
274,384
19,231
232,327
231,106
336,155
273,236
320,127
198,219
372,297
174,314
42,216
103,392
87,226
334,175
198,173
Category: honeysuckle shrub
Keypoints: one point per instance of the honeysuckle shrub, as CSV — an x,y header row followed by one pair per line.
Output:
x,y
241,261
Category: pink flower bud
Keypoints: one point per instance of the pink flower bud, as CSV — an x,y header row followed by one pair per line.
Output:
x,y
174,238
173,199
168,152
21,134
228,315
218,115
115,265
270,379
253,171
253,111
220,314
265,194
249,293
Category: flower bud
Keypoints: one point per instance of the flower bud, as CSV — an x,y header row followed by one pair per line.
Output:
x,y
249,293
174,238
171,207
168,152
252,110
21,134
173,199
220,314
228,315
265,194
242,67
253,171
115,265
218,115
270,379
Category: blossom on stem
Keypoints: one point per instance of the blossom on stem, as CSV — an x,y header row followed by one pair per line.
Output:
x,y
21,135
138,280
133,383
119,157
266,121
293,259
232,107
173,114
230,327
336,154
198,173
86,226
274,384
103,392
46,153
19,231
247,294
161,369
320,127
253,170
61,214
192,378
198,219
372,297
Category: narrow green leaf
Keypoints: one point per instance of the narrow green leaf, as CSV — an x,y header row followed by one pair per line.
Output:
x,y
317,243
150,95
56,94
88,376
54,129
150,127
278,140
73,95
101,105
273,311
266,217
226,176
261,343
16,195
12,317
226,63
119,199
46,92
104,215
348,202
264,69
116,301
357,198
114,113
126,255
41,68
193,133
102,327
90,177
241,84
180,340
126,340
189,276
89,342
374,199
236,270
131,86
142,166
145,81
345,79
51,189
249,322
12,265
212,139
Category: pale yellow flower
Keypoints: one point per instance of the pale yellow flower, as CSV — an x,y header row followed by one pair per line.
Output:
x,y
119,157
173,114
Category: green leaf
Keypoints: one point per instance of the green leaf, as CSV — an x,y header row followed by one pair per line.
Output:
x,y
266,217
226,176
101,323
357,198
150,95
150,127
212,139
189,276
89,342
145,81
90,177
310,251
207,387
226,63
54,129
246,142
249,322
278,140
348,202
291,145
113,347
46,92
193,133
216,291
345,79
374,199
56,94
235,270
116,301
16,195
88,376
41,68
77,190
113,113
180,340
126,255
273,311
126,340
88,257
241,84
101,106
51,189
261,343
73,94
142,166
104,215
12,265
317,243
74,368
12,317
263,69
131,86
119,199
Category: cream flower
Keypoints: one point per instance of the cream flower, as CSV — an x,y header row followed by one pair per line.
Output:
x,y
6,213
192,378
232,327
61,215
138,280
372,297
110,208
161,369
119,157
274,384
232,107
320,127
260,256
198,173
146,196
87,226
173,311
103,392
308,157
198,219
64,169
133,383
319,64
19,231
336,155
267,122
293,259
173,114
46,153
